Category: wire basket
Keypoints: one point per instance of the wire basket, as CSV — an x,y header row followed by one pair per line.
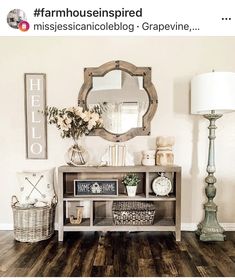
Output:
x,y
133,213
35,223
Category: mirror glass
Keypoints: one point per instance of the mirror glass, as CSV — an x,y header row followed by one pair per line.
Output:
x,y
121,98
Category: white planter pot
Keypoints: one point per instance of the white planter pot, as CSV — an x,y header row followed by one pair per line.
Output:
x,y
131,190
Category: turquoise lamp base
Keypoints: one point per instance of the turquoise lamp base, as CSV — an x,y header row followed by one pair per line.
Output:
x,y
209,229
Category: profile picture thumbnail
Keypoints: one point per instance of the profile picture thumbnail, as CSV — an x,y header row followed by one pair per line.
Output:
x,y
14,18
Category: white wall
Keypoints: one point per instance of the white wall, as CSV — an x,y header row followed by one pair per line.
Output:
x,y
174,62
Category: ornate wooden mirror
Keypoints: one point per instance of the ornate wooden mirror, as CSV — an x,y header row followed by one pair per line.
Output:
x,y
125,95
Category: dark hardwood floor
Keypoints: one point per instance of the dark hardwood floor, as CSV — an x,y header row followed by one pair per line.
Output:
x,y
117,254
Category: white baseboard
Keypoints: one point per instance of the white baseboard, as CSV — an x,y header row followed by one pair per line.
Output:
x,y
184,226
193,226
228,226
188,226
6,226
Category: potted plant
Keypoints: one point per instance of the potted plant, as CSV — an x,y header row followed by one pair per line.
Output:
x,y
131,181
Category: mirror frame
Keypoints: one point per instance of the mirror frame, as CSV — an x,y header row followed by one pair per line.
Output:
x,y
133,70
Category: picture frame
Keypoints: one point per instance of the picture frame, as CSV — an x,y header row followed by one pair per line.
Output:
x,y
96,187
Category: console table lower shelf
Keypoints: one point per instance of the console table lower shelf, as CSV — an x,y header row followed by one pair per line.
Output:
x,y
108,225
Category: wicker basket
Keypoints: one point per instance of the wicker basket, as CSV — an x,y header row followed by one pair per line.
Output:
x,y
35,223
133,213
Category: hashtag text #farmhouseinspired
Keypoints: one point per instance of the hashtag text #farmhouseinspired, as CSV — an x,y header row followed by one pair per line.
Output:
x,y
124,13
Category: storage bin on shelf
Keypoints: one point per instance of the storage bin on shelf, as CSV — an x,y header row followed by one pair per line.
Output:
x,y
133,212
33,224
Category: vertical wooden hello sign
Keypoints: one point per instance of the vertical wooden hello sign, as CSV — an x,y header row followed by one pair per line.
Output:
x,y
36,123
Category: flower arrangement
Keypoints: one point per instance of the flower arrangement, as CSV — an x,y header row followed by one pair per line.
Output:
x,y
131,180
74,122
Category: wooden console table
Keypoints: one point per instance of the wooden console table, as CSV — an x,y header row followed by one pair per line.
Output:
x,y
99,217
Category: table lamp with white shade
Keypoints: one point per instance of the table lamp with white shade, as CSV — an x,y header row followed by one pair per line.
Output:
x,y
212,95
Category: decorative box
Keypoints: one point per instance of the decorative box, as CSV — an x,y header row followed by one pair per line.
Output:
x,y
133,212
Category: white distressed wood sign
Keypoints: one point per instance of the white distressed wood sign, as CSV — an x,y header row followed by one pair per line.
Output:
x,y
36,124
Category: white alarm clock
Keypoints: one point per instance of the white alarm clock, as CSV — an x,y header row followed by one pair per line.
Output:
x,y
161,185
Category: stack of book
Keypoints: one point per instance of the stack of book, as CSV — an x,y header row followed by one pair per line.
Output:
x,y
117,155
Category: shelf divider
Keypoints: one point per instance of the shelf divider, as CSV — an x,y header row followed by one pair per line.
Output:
x,y
147,184
91,212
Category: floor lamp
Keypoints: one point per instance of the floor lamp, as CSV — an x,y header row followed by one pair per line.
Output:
x,y
212,95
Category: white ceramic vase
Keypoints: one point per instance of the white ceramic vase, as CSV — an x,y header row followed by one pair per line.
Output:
x,y
148,158
131,190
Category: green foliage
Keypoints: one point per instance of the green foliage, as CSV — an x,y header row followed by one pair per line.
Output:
x,y
74,122
131,180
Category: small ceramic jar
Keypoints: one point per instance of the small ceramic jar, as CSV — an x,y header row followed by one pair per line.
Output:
x,y
148,157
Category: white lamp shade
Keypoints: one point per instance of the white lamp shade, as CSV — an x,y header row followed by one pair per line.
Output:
x,y
213,91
